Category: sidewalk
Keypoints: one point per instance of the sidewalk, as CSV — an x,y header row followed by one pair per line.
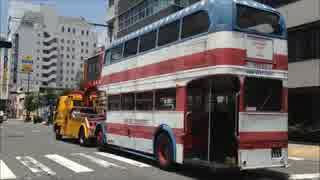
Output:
x,y
308,152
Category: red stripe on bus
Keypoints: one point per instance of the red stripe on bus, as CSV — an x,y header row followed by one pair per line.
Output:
x,y
223,56
138,131
263,140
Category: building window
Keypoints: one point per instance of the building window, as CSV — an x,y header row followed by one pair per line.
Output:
x,y
68,41
148,41
72,64
87,44
38,58
194,24
304,43
38,50
111,3
131,47
169,33
62,48
39,34
72,57
87,51
68,49
87,33
69,29
68,56
62,55
82,50
82,43
81,58
82,32
81,65
62,29
74,31
73,49
62,40
73,41
94,45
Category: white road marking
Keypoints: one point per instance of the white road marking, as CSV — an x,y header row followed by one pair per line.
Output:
x,y
5,172
296,158
73,166
35,166
98,161
126,160
304,176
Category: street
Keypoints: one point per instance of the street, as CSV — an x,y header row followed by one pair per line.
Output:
x,y
29,151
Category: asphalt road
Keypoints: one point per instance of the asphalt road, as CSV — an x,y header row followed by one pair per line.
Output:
x,y
29,151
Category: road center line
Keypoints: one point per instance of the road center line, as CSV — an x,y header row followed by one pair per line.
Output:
x,y
73,166
35,166
304,176
126,160
98,161
5,172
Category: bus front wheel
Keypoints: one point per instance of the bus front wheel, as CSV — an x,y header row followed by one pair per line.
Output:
x,y
99,140
164,151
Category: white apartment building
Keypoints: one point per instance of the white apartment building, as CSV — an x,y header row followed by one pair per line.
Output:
x,y
58,47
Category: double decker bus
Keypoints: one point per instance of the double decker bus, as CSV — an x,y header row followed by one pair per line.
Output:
x,y
207,84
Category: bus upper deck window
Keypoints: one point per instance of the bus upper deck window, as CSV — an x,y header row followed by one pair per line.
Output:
x,y
258,20
194,24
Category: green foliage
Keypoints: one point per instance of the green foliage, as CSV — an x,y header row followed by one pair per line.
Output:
x,y
31,102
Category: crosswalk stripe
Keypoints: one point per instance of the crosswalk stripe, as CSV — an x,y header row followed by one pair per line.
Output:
x,y
5,172
126,160
98,161
295,158
73,166
304,176
35,166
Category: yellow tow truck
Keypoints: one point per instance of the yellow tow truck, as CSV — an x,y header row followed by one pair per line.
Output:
x,y
73,120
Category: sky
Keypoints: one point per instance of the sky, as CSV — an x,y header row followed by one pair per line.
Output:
x,y
92,10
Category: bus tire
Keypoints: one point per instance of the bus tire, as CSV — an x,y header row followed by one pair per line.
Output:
x,y
82,138
99,140
164,151
58,134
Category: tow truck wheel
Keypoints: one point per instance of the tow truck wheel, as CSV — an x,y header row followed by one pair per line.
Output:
x,y
82,138
58,135
164,151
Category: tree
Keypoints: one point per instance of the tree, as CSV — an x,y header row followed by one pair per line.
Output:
x,y
31,103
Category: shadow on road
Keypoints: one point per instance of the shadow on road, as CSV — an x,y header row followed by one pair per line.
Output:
x,y
205,173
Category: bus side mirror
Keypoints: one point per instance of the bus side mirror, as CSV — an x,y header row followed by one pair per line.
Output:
x,y
5,44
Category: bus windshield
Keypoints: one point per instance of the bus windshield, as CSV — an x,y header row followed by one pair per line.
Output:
x,y
263,94
258,20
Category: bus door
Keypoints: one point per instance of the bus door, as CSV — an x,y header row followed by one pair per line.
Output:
x,y
222,126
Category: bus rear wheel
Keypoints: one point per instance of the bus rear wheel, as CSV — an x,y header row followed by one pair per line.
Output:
x,y
164,151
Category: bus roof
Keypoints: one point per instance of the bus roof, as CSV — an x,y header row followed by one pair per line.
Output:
x,y
201,5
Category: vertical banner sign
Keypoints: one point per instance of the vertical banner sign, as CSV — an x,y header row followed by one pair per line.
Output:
x,y
27,63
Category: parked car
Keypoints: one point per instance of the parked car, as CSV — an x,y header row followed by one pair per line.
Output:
x,y
3,116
